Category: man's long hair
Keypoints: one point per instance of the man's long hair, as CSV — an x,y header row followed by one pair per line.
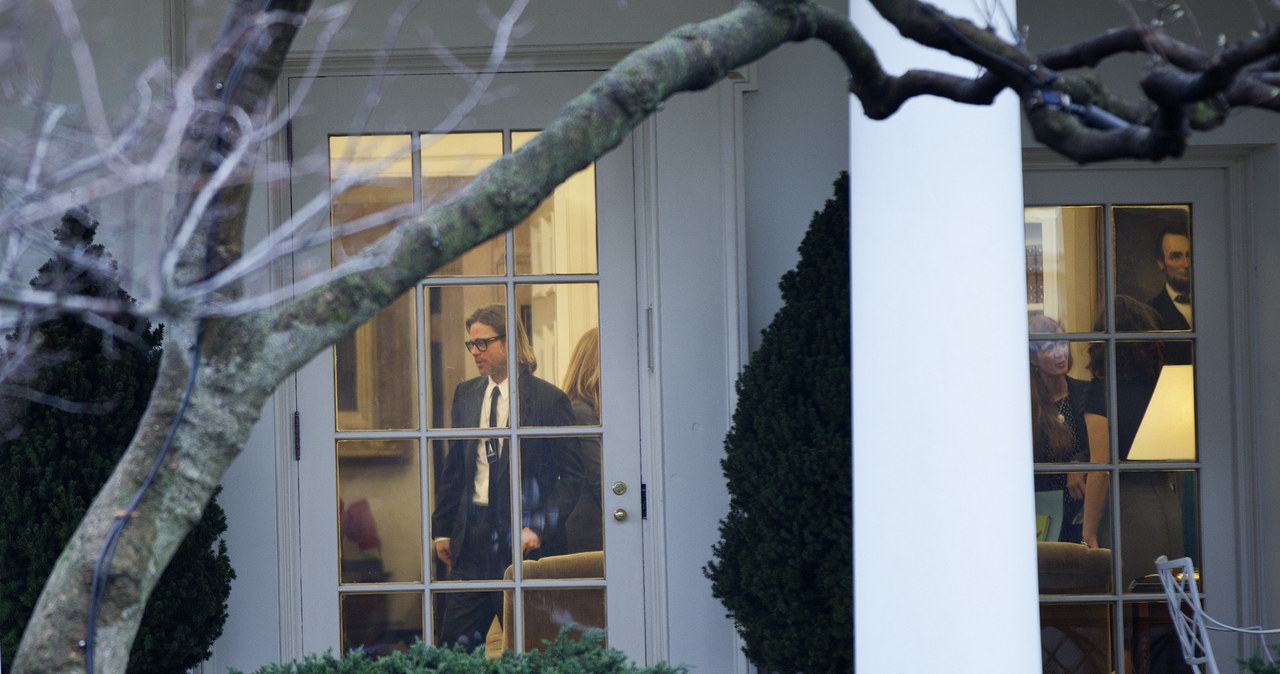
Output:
x,y
495,316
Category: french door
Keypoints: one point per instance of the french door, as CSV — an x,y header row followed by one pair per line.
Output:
x,y
384,415
1105,246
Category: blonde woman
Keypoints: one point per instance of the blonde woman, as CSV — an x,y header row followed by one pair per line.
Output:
x,y
585,523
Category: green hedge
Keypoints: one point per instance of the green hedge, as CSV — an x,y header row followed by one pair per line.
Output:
x,y
62,458
783,565
563,656
1256,665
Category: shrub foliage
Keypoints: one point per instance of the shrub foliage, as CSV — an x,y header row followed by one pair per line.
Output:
x,y
783,565
54,459
562,656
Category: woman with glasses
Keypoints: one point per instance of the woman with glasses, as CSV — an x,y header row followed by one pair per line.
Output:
x,y
1057,424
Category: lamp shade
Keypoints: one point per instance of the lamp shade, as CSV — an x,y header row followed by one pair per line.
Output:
x,y
1168,429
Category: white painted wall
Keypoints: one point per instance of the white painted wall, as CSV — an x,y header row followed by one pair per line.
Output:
x,y
795,144
942,504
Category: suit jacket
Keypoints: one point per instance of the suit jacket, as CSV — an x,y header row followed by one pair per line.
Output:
x,y
1179,352
1170,317
543,461
584,526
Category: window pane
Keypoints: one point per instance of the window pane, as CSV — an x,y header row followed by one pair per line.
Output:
x,y
547,611
1158,516
560,236
471,510
365,399
380,502
449,162
1138,407
380,622
375,371
584,523
1064,264
383,169
556,318
451,364
1070,568
1167,430
1060,505
560,498
1154,647
1153,261
456,627
1154,408
1076,638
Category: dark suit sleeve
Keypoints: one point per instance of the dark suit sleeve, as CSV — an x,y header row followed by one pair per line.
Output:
x,y
543,461
452,477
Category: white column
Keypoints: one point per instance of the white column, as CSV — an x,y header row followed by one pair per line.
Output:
x,y
944,554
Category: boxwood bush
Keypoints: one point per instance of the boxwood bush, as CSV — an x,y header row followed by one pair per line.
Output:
x,y
783,565
62,457
562,656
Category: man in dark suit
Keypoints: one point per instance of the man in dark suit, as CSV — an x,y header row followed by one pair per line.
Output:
x,y
472,520
1173,302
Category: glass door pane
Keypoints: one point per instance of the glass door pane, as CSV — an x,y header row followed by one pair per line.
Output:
x,y
499,357
1107,392
392,416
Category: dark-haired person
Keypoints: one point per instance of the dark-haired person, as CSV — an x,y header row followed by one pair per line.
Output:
x,y
472,520
1173,302
1150,510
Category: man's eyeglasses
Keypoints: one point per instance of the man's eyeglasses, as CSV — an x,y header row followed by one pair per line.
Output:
x,y
481,344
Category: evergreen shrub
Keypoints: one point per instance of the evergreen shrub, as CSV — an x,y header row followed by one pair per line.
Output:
x,y
562,656
54,461
783,565
1255,664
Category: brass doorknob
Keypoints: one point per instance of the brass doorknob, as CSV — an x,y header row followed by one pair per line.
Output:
x,y
620,514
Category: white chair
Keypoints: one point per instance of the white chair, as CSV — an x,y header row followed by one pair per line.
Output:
x,y
1178,578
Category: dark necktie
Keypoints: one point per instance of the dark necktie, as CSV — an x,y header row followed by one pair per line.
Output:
x,y
1182,299
492,446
